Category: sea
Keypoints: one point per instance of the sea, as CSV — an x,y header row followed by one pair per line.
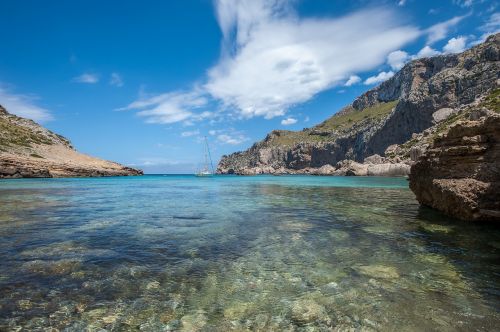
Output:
x,y
240,253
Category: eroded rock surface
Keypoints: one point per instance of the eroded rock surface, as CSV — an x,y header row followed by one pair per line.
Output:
x,y
460,172
30,150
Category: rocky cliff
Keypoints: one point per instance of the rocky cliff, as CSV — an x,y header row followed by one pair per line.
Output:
x,y
30,150
459,172
424,93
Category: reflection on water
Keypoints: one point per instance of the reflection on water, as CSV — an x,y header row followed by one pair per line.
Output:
x,y
294,253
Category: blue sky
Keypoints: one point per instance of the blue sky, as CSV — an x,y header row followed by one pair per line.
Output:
x,y
141,82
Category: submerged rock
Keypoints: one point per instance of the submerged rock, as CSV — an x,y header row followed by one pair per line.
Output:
x,y
378,271
193,322
306,311
59,267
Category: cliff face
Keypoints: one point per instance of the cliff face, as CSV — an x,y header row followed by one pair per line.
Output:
x,y
421,94
459,173
30,150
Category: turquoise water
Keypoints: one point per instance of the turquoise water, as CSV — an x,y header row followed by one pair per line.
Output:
x,y
263,253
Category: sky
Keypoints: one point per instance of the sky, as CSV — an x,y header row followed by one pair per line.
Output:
x,y
142,82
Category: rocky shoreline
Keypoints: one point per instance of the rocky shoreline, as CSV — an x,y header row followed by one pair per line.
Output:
x,y
459,173
372,166
28,150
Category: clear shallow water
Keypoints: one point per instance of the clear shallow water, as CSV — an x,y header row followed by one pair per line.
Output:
x,y
295,253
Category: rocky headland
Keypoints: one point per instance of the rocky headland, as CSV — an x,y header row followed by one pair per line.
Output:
x,y
30,150
378,133
437,121
459,169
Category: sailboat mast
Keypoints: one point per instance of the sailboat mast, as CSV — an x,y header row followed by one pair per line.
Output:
x,y
209,156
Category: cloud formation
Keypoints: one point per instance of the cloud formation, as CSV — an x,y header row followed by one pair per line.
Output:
x,y
88,78
171,107
426,52
288,121
441,30
381,77
232,139
271,59
116,80
455,45
493,24
353,79
24,106
397,59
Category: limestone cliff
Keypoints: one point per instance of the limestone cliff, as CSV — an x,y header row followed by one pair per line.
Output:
x,y
30,150
459,173
422,94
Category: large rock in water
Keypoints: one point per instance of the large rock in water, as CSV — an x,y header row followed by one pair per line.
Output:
x,y
460,173
29,150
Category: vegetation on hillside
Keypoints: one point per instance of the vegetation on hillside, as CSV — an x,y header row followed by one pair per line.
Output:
x,y
347,120
335,125
492,101
14,135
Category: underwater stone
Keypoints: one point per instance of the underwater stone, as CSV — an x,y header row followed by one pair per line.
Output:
x,y
24,304
59,267
193,322
110,319
378,271
153,285
306,311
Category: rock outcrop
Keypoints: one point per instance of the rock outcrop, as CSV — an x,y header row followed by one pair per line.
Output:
x,y
459,173
30,150
382,121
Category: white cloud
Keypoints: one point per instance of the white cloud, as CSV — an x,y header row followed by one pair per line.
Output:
x,y
288,121
490,27
402,2
279,60
439,31
232,139
24,106
455,45
171,107
213,132
426,52
271,59
116,80
493,23
88,78
464,3
397,59
190,133
353,79
381,77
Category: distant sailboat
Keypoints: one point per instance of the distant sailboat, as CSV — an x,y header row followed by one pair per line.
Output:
x,y
208,167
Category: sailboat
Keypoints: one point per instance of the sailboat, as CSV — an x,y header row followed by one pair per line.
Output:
x,y
208,167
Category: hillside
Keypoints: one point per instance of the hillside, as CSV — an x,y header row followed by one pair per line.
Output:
x,y
384,120
30,150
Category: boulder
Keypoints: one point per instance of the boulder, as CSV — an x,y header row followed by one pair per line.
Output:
x,y
397,169
460,173
374,159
